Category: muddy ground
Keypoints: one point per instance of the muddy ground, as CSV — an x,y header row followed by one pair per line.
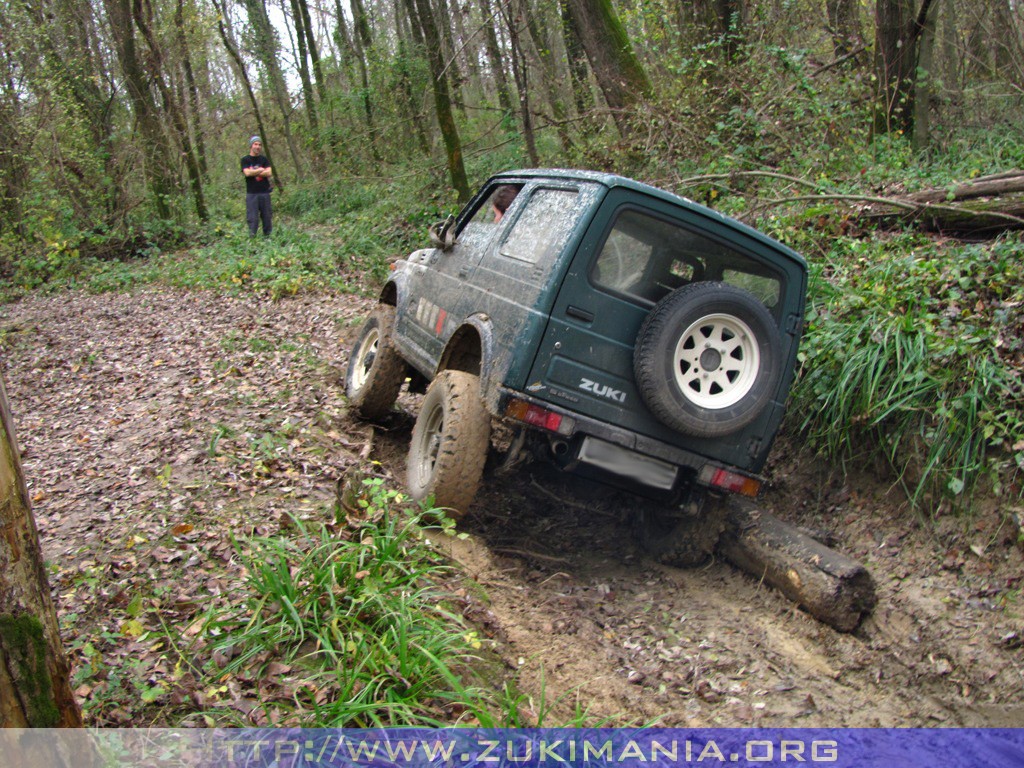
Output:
x,y
156,425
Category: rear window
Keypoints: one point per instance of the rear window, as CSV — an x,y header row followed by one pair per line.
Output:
x,y
647,258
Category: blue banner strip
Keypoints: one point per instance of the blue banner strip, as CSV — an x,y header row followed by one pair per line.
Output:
x,y
514,748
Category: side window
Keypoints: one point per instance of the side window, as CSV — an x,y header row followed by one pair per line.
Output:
x,y
647,258
484,222
542,227
623,261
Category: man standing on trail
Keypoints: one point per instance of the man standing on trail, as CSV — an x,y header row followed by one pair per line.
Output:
x,y
257,171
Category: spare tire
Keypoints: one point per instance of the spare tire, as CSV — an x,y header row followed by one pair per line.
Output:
x,y
707,359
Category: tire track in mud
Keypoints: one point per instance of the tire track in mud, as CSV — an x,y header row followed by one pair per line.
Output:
x,y
596,625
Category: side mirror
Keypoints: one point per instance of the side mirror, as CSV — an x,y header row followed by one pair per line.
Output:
x,y
442,234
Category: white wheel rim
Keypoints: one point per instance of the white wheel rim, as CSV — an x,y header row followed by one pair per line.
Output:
x,y
430,444
365,358
716,361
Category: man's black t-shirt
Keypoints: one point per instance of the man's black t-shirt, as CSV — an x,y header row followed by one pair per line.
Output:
x,y
252,184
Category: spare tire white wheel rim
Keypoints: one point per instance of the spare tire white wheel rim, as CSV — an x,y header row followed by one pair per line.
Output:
x,y
716,361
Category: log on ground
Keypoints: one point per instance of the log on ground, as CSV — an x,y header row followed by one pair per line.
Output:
x,y
828,585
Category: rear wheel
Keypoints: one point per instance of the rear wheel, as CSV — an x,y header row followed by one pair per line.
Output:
x,y
675,537
375,369
449,443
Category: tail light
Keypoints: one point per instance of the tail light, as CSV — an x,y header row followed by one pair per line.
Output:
x,y
536,416
733,482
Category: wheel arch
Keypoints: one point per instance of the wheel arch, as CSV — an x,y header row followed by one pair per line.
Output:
x,y
391,291
470,349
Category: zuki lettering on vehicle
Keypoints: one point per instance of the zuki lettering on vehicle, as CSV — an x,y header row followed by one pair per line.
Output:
x,y
602,390
430,316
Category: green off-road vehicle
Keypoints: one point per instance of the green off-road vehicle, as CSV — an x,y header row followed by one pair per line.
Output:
x,y
623,332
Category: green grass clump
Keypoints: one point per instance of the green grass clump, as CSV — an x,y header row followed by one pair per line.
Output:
x,y
359,613
915,355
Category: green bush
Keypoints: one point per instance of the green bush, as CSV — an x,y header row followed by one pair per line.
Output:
x,y
917,355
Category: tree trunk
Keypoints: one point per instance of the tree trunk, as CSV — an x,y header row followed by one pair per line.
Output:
x,y
988,205
540,39
363,42
158,165
897,34
410,40
513,17
409,103
302,55
715,21
828,585
618,71
35,688
232,50
14,171
193,90
923,92
577,61
467,49
494,58
266,46
314,51
442,100
844,26
171,106
450,56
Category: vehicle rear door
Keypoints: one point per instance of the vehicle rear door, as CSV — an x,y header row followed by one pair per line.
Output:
x,y
638,249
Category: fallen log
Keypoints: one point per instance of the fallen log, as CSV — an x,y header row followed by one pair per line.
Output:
x,y
988,204
984,186
828,585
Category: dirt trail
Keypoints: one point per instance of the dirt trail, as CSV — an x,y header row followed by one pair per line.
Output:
x,y
156,425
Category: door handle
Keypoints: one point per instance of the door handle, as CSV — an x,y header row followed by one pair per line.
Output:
x,y
579,314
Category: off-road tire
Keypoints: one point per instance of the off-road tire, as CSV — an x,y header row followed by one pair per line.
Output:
x,y
675,538
708,359
375,369
449,443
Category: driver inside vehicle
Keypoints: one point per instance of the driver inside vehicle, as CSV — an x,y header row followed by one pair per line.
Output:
x,y
502,199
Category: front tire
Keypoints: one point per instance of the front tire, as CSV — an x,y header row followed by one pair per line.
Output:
x,y
449,443
375,369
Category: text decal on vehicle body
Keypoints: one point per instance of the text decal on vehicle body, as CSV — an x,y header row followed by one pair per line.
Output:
x,y
602,390
431,316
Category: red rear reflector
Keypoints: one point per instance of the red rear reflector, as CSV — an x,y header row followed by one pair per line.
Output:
x,y
732,482
534,415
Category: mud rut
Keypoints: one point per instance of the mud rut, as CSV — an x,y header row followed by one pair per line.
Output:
x,y
583,617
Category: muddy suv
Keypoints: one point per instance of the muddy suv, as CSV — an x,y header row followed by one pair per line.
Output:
x,y
624,333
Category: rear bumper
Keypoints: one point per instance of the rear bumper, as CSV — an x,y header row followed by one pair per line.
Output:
x,y
647,470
